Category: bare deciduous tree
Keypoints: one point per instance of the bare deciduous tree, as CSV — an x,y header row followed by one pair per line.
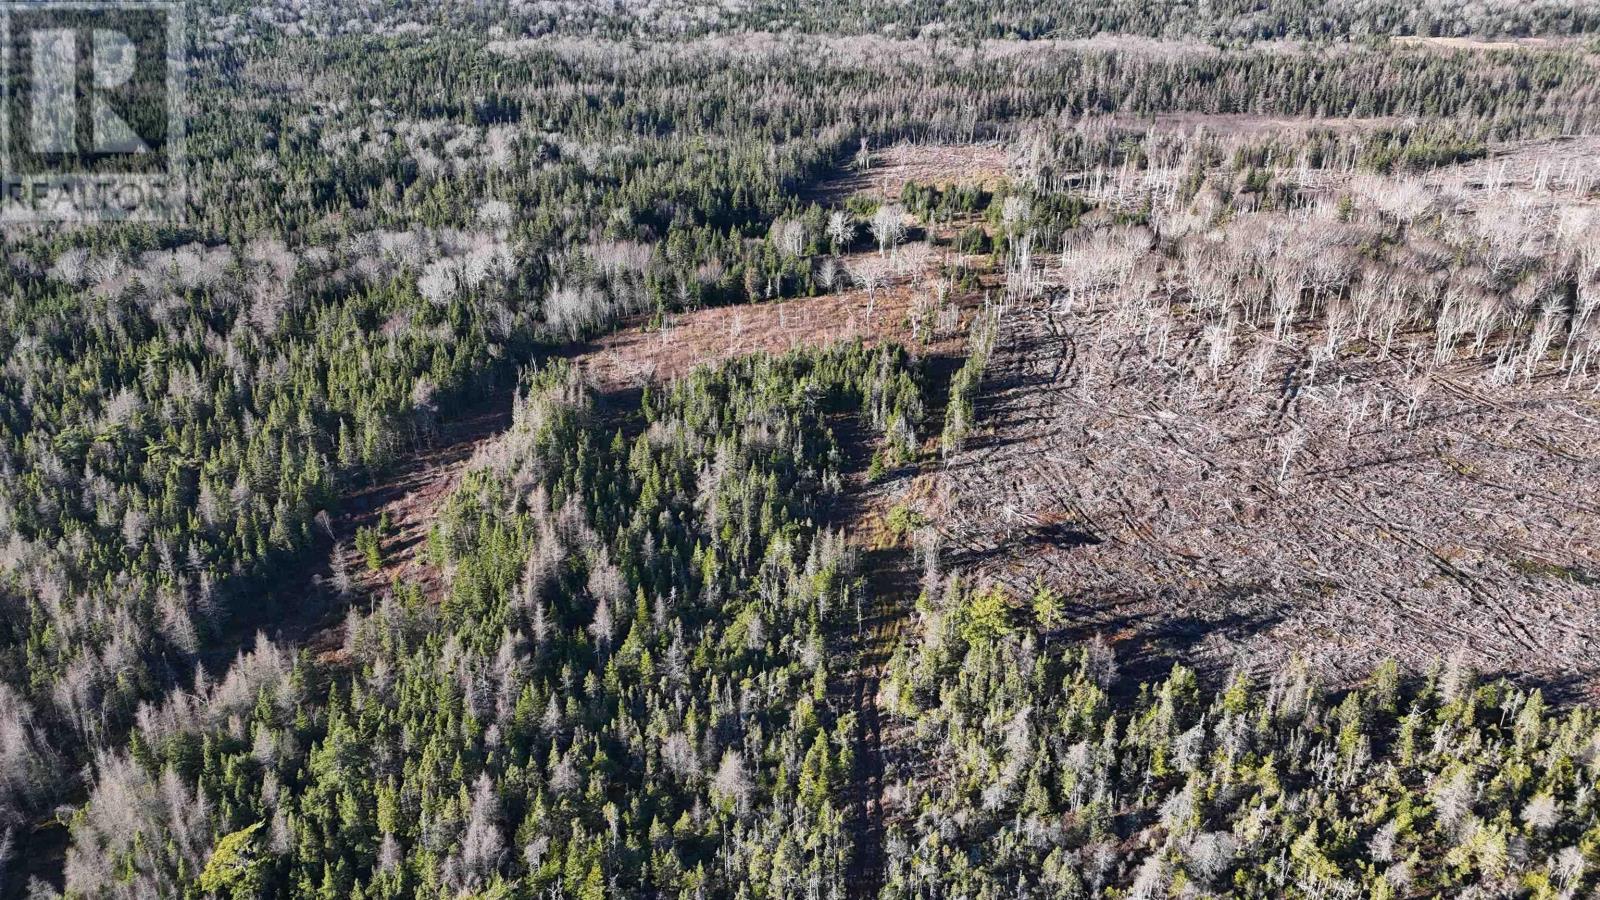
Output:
x,y
888,226
841,229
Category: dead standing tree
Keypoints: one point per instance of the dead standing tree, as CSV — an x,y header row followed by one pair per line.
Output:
x,y
888,226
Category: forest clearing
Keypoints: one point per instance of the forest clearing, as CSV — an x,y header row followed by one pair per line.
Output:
x,y
739,451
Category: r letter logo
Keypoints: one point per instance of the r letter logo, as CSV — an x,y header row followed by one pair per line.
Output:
x,y
91,114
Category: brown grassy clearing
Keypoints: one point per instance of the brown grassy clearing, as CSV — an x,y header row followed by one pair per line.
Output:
x,y
893,167
1486,44
637,355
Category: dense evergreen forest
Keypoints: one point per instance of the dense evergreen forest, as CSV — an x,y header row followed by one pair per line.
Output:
x,y
626,689
634,681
